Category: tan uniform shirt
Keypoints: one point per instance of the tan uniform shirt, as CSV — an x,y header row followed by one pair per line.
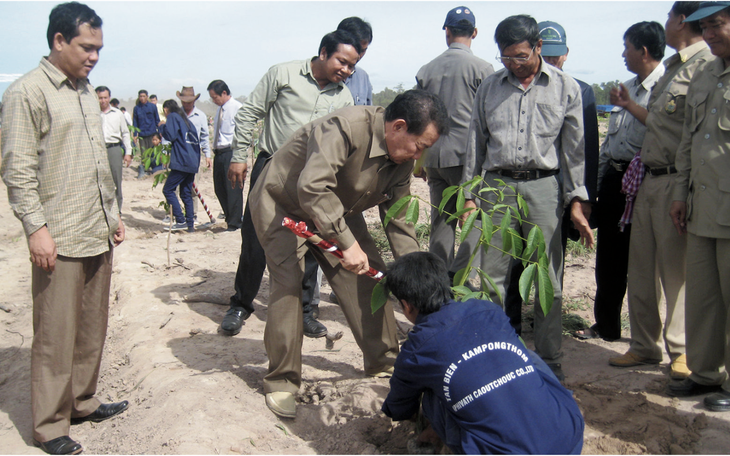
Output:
x,y
332,168
115,129
703,157
667,106
55,163
287,97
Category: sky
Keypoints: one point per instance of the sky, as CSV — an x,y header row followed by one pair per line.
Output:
x,y
162,46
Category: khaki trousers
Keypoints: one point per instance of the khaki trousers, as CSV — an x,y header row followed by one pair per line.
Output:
x,y
656,264
70,310
544,202
374,334
707,310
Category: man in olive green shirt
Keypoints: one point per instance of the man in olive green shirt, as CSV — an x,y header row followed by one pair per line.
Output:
x,y
288,96
71,218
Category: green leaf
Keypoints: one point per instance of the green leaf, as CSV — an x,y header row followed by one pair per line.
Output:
x,y
516,243
492,285
379,297
460,200
487,228
517,214
506,241
461,276
461,290
458,214
522,205
526,280
446,196
533,240
545,286
147,163
396,209
412,212
468,225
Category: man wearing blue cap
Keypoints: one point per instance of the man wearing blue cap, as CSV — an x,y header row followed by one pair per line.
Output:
x,y
454,76
555,52
701,210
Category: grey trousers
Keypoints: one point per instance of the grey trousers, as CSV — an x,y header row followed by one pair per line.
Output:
x,y
544,201
70,312
116,157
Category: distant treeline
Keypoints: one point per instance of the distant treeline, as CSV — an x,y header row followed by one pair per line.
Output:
x,y
387,95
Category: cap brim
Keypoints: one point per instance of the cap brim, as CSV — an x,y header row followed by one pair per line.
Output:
x,y
553,50
704,12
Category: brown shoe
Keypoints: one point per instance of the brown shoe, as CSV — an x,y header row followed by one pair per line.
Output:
x,y
678,369
629,359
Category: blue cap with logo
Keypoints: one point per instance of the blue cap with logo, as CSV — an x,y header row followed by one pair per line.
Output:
x,y
554,41
707,9
458,14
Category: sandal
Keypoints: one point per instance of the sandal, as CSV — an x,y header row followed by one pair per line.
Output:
x,y
586,333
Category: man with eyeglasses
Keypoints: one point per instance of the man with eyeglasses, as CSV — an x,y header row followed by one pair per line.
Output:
x,y
527,130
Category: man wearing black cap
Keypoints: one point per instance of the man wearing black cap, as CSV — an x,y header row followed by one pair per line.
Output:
x,y
701,210
527,130
555,52
454,76
656,250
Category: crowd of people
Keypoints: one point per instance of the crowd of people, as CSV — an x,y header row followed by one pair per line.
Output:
x,y
654,189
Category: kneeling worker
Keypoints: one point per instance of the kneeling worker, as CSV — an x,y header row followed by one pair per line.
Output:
x,y
483,391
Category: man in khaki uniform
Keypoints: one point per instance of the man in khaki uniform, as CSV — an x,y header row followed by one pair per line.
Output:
x,y
71,219
326,175
656,250
701,208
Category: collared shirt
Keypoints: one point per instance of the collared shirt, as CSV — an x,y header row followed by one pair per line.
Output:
x,y
128,118
161,112
454,76
667,105
703,156
360,87
226,114
115,129
287,97
538,127
467,358
145,118
625,133
48,128
200,120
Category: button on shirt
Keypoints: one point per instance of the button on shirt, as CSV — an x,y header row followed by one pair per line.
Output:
x,y
200,120
625,132
703,157
667,105
226,114
287,97
454,76
115,129
47,127
540,127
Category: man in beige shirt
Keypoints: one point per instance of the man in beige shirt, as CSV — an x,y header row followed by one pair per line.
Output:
x,y
116,137
656,250
326,175
71,219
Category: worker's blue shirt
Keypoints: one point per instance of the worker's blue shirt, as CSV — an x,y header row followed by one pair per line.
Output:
x,y
146,118
467,358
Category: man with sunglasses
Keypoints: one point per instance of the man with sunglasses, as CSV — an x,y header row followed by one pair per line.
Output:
x,y
527,130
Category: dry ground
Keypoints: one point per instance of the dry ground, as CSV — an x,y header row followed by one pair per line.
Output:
x,y
194,391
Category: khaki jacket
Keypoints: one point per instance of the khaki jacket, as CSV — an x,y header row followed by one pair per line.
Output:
x,y
330,170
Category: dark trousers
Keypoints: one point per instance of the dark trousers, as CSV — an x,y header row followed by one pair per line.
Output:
x,y
185,182
252,262
231,199
612,256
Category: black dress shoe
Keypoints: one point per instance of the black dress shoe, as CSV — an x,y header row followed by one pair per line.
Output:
x,y
232,322
104,412
718,402
313,328
557,369
689,387
60,445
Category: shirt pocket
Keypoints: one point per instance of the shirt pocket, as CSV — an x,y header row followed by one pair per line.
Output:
x,y
547,121
723,120
697,103
674,100
723,207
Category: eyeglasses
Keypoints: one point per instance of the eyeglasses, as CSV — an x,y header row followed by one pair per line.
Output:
x,y
518,60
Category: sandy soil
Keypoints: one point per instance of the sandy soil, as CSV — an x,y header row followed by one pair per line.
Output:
x,y
193,390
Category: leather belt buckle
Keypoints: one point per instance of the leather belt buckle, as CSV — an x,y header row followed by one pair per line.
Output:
x,y
522,174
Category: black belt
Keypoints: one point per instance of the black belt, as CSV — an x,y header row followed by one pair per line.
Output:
x,y
526,174
661,171
619,165
222,151
113,145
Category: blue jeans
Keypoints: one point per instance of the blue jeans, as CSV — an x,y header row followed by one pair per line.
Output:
x,y
185,182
